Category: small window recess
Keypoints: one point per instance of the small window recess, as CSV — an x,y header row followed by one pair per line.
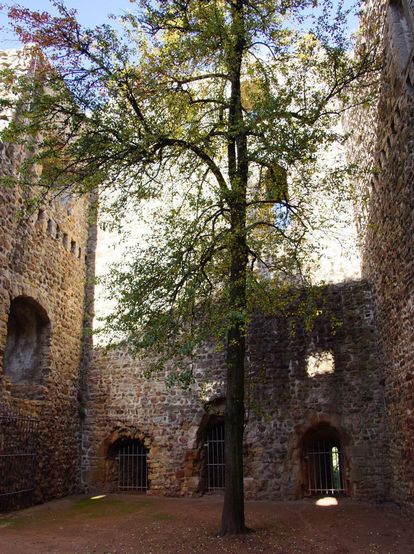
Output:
x,y
320,363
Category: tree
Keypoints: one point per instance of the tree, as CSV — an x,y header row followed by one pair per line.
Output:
x,y
221,108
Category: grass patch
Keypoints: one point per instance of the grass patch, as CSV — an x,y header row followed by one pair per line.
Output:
x,y
107,506
86,508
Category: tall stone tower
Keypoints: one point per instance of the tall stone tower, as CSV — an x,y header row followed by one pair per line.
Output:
x,y
383,144
42,282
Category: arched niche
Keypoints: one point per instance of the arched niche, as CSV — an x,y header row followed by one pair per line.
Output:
x,y
26,355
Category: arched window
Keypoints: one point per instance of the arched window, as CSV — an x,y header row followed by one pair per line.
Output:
x,y
27,343
323,461
214,456
132,464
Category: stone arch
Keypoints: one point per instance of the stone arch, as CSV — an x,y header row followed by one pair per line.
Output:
x,y
112,446
322,422
211,419
322,459
27,350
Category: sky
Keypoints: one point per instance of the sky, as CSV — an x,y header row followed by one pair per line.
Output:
x,y
90,14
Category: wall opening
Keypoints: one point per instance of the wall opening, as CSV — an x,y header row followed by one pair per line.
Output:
x,y
214,458
27,343
320,363
131,465
323,462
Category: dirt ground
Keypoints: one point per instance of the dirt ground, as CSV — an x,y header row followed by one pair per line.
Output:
x,y
117,524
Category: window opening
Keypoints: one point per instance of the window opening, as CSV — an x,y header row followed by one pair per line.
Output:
x,y
320,363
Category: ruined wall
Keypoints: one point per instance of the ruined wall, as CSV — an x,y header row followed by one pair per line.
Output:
x,y
42,262
284,402
383,140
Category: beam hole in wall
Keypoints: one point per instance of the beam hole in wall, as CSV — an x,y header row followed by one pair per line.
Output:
x,y
323,462
129,465
27,345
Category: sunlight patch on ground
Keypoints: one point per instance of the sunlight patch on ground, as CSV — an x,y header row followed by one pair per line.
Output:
x,y
327,501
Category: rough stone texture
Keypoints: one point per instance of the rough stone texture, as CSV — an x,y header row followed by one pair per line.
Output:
x,y
284,402
384,140
36,263
88,406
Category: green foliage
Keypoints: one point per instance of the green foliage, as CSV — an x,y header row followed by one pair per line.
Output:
x,y
218,112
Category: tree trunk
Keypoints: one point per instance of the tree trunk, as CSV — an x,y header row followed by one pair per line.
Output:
x,y
233,509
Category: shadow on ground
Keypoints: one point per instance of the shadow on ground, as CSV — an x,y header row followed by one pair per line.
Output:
x,y
116,524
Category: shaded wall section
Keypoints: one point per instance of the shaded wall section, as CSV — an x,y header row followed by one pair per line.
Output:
x,y
383,143
285,401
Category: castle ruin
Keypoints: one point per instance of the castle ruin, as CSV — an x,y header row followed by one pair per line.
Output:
x,y
331,408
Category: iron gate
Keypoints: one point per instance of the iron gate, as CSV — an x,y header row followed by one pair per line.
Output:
x,y
18,446
215,460
132,466
324,462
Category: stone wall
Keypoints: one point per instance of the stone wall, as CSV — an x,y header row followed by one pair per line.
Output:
x,y
42,263
383,142
284,403
333,373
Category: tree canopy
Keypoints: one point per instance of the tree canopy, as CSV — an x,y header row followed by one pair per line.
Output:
x,y
220,111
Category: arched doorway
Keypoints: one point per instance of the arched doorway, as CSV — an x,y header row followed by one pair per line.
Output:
x,y
131,465
214,459
323,462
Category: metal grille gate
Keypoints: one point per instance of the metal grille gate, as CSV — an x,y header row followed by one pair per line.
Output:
x,y
18,445
324,463
215,460
132,466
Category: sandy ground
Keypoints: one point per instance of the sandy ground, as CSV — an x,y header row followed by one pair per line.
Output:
x,y
154,525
